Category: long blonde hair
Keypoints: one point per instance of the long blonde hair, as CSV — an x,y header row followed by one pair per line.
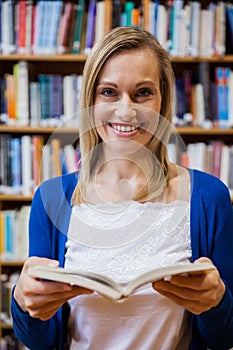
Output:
x,y
119,40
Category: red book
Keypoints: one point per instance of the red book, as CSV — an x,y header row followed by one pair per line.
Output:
x,y
22,11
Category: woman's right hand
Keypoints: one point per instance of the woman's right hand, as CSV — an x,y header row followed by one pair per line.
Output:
x,y
42,299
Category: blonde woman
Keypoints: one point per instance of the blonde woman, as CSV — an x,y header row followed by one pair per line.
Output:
x,y
128,210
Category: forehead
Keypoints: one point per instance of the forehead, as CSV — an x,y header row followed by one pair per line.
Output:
x,y
139,62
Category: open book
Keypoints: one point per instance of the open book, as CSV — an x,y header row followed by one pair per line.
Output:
x,y
107,286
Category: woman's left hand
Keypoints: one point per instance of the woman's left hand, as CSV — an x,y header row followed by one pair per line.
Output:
x,y
197,293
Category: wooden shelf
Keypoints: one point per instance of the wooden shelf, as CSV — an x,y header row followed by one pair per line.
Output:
x,y
6,325
82,58
201,131
36,130
12,263
45,58
15,197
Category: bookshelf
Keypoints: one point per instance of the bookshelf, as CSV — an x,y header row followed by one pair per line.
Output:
x,y
70,63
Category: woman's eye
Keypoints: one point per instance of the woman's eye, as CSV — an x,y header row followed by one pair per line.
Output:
x,y
107,92
144,93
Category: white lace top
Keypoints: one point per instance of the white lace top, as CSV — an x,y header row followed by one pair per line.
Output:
x,y
122,241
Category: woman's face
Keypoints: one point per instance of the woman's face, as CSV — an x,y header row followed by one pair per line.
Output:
x,y
127,100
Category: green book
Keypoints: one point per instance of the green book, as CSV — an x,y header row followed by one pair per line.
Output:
x,y
78,26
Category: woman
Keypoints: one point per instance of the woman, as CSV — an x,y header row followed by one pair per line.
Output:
x,y
135,211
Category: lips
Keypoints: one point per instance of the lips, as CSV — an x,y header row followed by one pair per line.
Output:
x,y
124,128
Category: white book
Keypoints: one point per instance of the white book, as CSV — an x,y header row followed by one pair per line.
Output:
x,y
107,286
162,24
35,103
224,165
68,100
196,152
178,6
26,156
21,234
199,104
22,95
220,28
195,27
206,30
46,162
99,20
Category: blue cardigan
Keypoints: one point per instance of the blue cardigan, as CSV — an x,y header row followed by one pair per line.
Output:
x,y
211,236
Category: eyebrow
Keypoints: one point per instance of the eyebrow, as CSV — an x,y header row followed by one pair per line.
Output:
x,y
150,82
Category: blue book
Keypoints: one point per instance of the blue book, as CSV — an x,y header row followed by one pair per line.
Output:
x,y
221,96
16,170
90,31
129,6
44,81
229,28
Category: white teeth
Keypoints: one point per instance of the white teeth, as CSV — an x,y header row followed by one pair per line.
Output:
x,y
122,128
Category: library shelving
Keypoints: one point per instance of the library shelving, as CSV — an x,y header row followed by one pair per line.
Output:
x,y
72,64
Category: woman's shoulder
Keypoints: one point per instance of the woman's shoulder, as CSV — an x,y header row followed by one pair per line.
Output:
x,y
210,186
57,187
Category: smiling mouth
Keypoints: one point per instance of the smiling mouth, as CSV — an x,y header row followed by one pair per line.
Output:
x,y
124,128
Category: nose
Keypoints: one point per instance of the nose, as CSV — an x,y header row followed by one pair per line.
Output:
x,y
125,109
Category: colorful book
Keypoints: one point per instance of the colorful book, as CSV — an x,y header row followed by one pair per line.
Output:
x,y
15,144
90,30
78,26
116,13
26,160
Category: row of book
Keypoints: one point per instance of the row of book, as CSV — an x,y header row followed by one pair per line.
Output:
x,y
51,100
53,27
26,161
14,233
215,158
201,101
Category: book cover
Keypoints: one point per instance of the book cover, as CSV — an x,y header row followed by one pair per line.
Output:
x,y
90,30
108,15
63,28
78,26
116,13
195,28
35,103
129,6
22,92
107,286
15,144
56,165
26,160
99,20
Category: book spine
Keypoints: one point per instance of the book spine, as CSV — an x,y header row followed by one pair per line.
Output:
x,y
90,30
35,103
22,93
15,144
29,27
22,13
129,6
116,13
26,159
99,20
78,26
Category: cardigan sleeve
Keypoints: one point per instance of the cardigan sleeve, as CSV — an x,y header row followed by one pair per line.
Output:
x,y
46,239
215,237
